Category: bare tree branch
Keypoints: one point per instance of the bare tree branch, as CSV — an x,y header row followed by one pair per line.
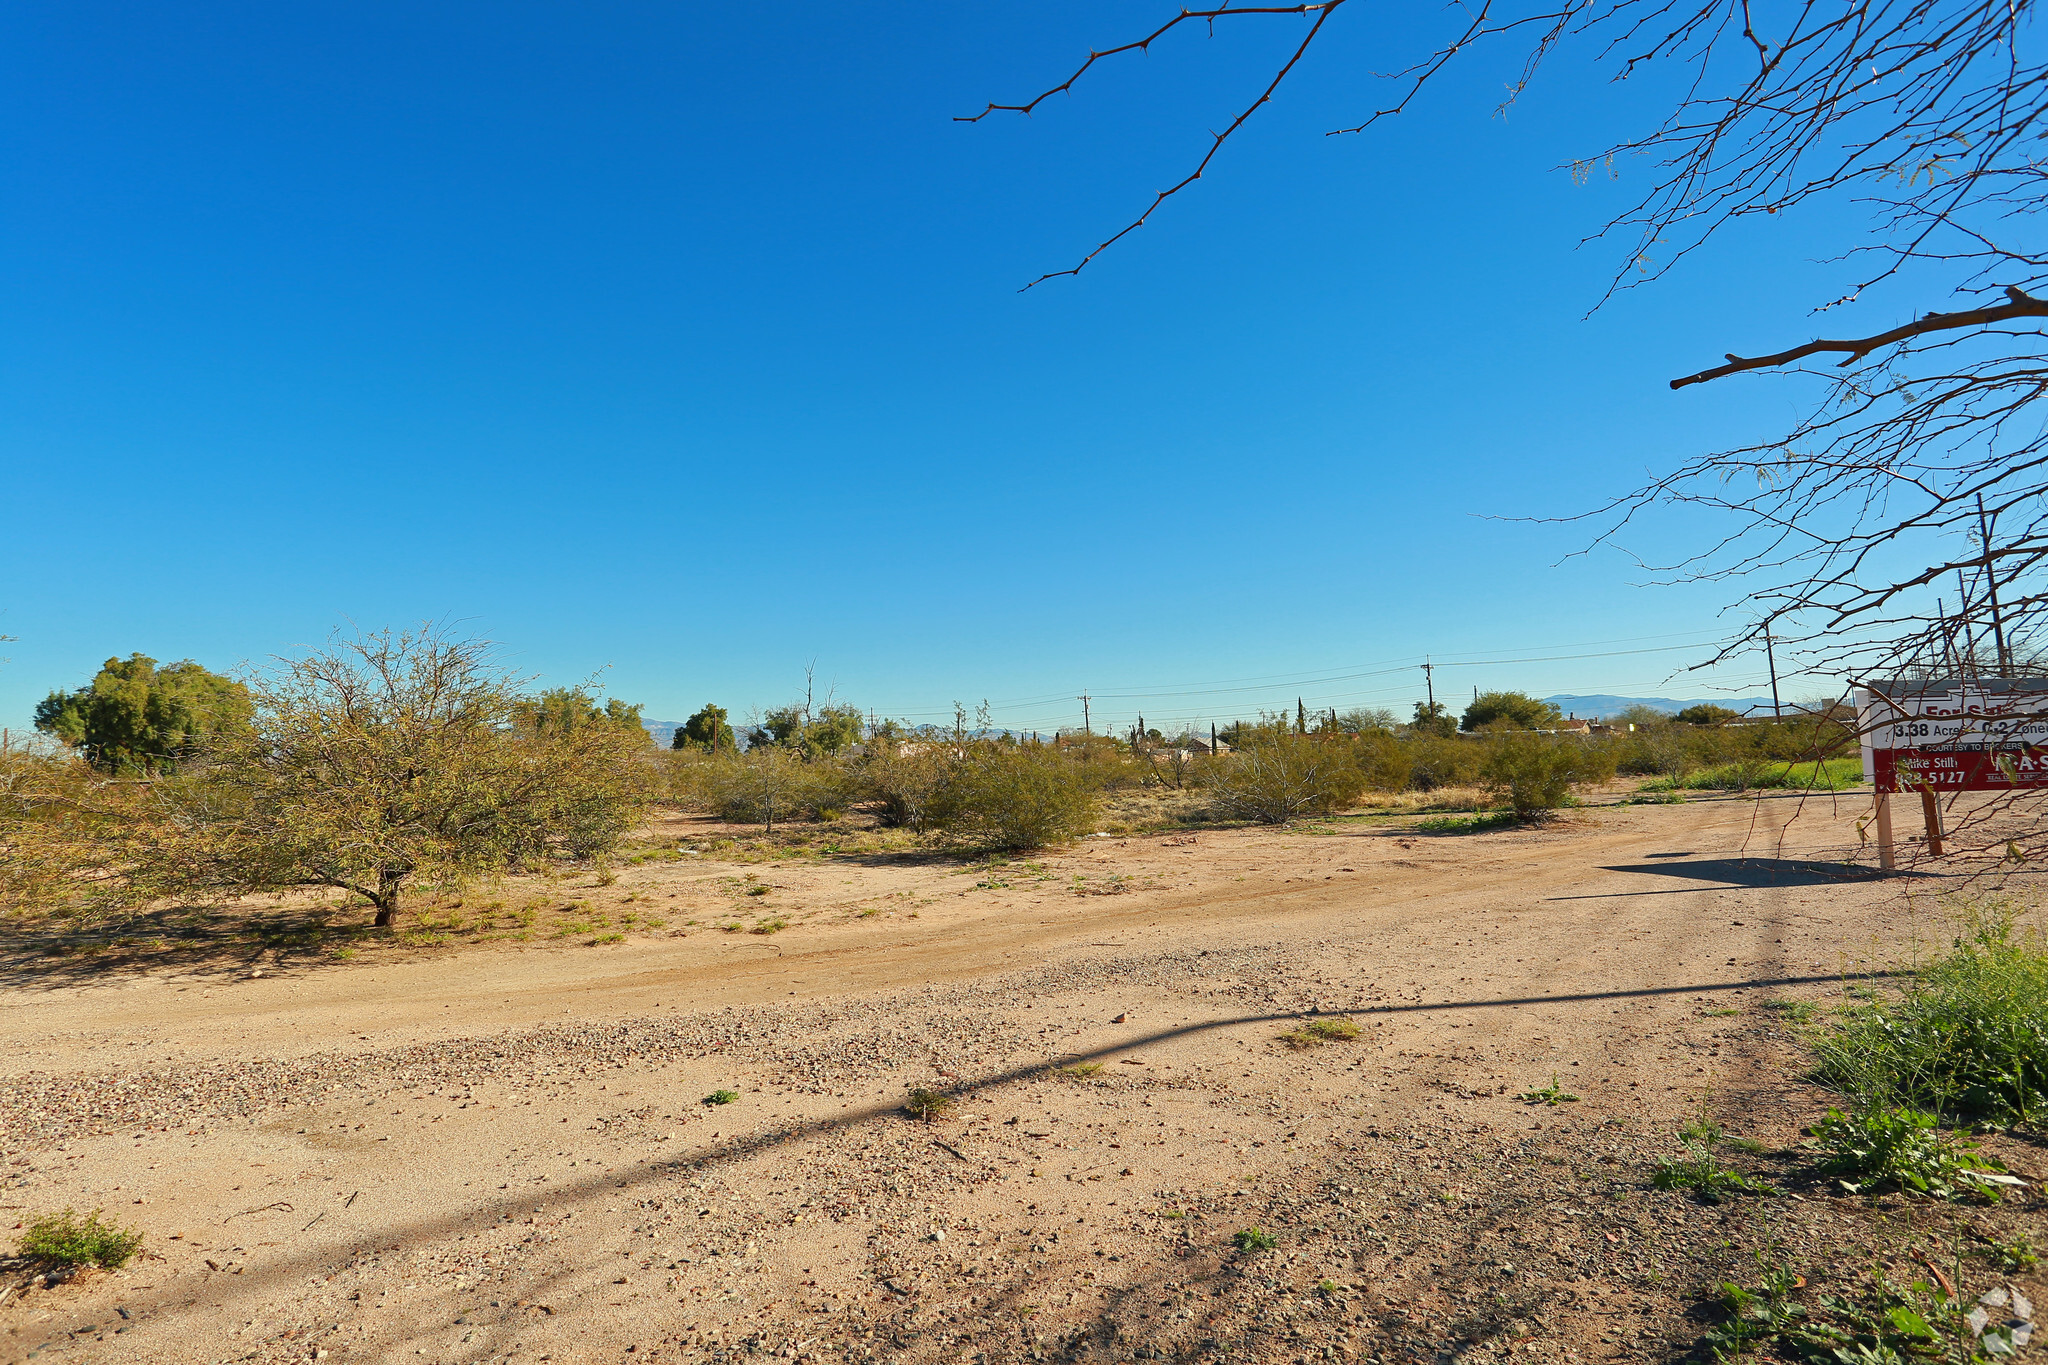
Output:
x,y
1322,13
2023,305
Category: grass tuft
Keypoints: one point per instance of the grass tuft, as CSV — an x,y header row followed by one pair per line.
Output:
x,y
1966,1039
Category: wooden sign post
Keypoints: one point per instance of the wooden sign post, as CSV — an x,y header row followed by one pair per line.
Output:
x,y
1956,735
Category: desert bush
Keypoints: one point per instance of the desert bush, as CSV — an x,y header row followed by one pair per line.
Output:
x,y
1537,772
1384,763
1005,796
68,1239
767,783
1436,760
1967,1038
903,780
1278,778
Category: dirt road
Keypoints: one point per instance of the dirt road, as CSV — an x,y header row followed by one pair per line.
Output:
x,y
511,1153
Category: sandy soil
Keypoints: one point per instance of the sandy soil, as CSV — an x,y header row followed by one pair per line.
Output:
x,y
508,1153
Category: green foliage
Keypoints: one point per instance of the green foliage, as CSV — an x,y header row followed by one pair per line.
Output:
x,y
387,760
2018,1254
1509,711
1537,772
70,1240
904,780
560,710
1277,778
1883,1323
707,730
1967,1037
927,1104
1007,796
765,784
1438,760
1253,1239
1698,1173
135,717
1433,719
830,730
721,1097
1467,824
1706,713
1367,721
1903,1149
1318,1031
1552,1094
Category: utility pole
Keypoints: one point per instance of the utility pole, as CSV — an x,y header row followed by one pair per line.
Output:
x,y
1429,682
1771,657
1087,724
1991,587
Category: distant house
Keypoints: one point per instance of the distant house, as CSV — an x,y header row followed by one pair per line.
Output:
x,y
1201,746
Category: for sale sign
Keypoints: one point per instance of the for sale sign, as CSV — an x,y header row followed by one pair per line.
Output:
x,y
1988,734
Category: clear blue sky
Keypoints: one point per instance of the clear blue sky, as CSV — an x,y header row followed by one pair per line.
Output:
x,y
685,343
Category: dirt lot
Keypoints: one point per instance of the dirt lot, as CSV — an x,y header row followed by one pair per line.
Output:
x,y
507,1152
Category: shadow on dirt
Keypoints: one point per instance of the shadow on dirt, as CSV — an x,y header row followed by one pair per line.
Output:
x,y
1761,872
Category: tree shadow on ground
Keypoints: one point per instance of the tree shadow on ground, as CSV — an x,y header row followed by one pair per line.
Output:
x,y
193,940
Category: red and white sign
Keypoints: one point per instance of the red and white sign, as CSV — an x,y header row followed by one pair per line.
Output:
x,y
1987,734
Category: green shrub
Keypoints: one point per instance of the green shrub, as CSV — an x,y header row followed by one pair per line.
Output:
x,y
1537,772
721,1097
70,1240
927,1104
1467,824
1277,778
1436,761
1254,1239
1903,1149
764,785
904,781
1967,1038
1697,1173
1016,797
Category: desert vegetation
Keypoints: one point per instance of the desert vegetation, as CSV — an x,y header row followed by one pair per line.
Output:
x,y
401,767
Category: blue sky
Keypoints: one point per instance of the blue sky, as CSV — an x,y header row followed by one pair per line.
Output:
x,y
683,346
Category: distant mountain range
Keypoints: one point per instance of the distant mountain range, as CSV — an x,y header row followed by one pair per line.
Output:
x,y
664,731
1600,704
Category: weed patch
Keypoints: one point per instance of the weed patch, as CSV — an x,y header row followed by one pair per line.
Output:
x,y
1879,1323
1552,1094
68,1239
1467,824
1254,1239
1968,1038
927,1104
1904,1149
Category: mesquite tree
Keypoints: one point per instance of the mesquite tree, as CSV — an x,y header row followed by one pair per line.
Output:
x,y
392,759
